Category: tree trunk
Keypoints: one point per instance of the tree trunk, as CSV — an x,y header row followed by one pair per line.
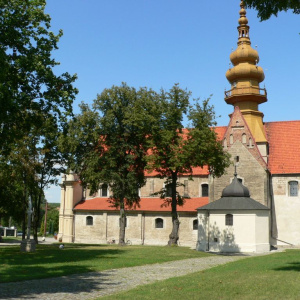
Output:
x,y
122,224
173,237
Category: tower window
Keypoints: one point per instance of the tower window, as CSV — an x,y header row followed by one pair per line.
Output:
x,y
204,190
159,223
231,139
229,220
293,188
244,138
89,221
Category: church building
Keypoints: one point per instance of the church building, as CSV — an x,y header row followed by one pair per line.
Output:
x,y
265,160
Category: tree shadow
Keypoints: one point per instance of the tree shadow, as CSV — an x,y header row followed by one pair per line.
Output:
x,y
29,265
215,239
73,284
292,266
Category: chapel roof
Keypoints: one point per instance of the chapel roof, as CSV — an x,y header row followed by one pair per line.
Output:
x,y
146,204
235,197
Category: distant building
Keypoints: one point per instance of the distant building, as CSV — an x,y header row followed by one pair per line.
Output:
x,y
266,156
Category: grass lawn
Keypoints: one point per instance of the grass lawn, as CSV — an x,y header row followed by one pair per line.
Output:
x,y
275,276
50,261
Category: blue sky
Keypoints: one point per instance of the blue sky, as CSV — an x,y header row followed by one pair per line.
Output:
x,y
159,43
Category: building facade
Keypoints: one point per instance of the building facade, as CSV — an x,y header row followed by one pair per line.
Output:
x,y
265,154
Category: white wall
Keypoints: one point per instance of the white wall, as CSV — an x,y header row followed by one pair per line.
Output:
x,y
249,233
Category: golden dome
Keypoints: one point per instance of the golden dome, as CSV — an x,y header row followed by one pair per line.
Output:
x,y
244,53
244,58
244,71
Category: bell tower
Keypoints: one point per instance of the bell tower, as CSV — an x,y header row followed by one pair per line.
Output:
x,y
245,77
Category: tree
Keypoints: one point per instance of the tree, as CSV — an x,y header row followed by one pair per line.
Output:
x,y
177,150
29,89
268,8
109,144
35,102
52,221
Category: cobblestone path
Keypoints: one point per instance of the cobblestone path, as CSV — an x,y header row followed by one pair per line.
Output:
x,y
96,284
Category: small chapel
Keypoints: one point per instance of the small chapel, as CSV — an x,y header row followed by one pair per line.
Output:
x,y
253,206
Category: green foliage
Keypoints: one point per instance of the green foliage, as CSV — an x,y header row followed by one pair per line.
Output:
x,y
177,150
268,8
35,103
52,221
109,143
50,261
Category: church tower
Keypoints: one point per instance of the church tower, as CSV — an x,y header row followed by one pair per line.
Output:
x,y
245,77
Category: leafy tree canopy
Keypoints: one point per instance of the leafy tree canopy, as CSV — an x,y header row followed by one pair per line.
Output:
x,y
268,8
35,104
109,143
29,89
177,150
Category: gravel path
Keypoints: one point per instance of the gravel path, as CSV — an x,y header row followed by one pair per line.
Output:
x,y
97,284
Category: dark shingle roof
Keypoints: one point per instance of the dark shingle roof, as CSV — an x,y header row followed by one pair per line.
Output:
x,y
234,203
235,197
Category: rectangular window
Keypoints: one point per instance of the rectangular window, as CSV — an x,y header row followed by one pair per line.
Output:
x,y
204,190
229,220
293,188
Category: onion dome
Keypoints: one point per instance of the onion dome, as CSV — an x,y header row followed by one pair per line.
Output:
x,y
244,58
236,189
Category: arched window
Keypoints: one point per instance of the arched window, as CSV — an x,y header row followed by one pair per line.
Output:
x,y
195,224
89,221
104,190
229,220
293,188
244,138
204,190
159,223
231,139
250,143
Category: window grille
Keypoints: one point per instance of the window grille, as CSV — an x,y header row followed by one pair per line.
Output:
x,y
229,220
293,188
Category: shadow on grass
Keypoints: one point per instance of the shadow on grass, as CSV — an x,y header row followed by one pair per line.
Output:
x,y
292,266
50,261
73,284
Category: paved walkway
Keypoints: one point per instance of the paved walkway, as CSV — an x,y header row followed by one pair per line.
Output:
x,y
97,284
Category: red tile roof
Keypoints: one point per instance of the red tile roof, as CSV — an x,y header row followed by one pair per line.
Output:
x,y
146,204
284,146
